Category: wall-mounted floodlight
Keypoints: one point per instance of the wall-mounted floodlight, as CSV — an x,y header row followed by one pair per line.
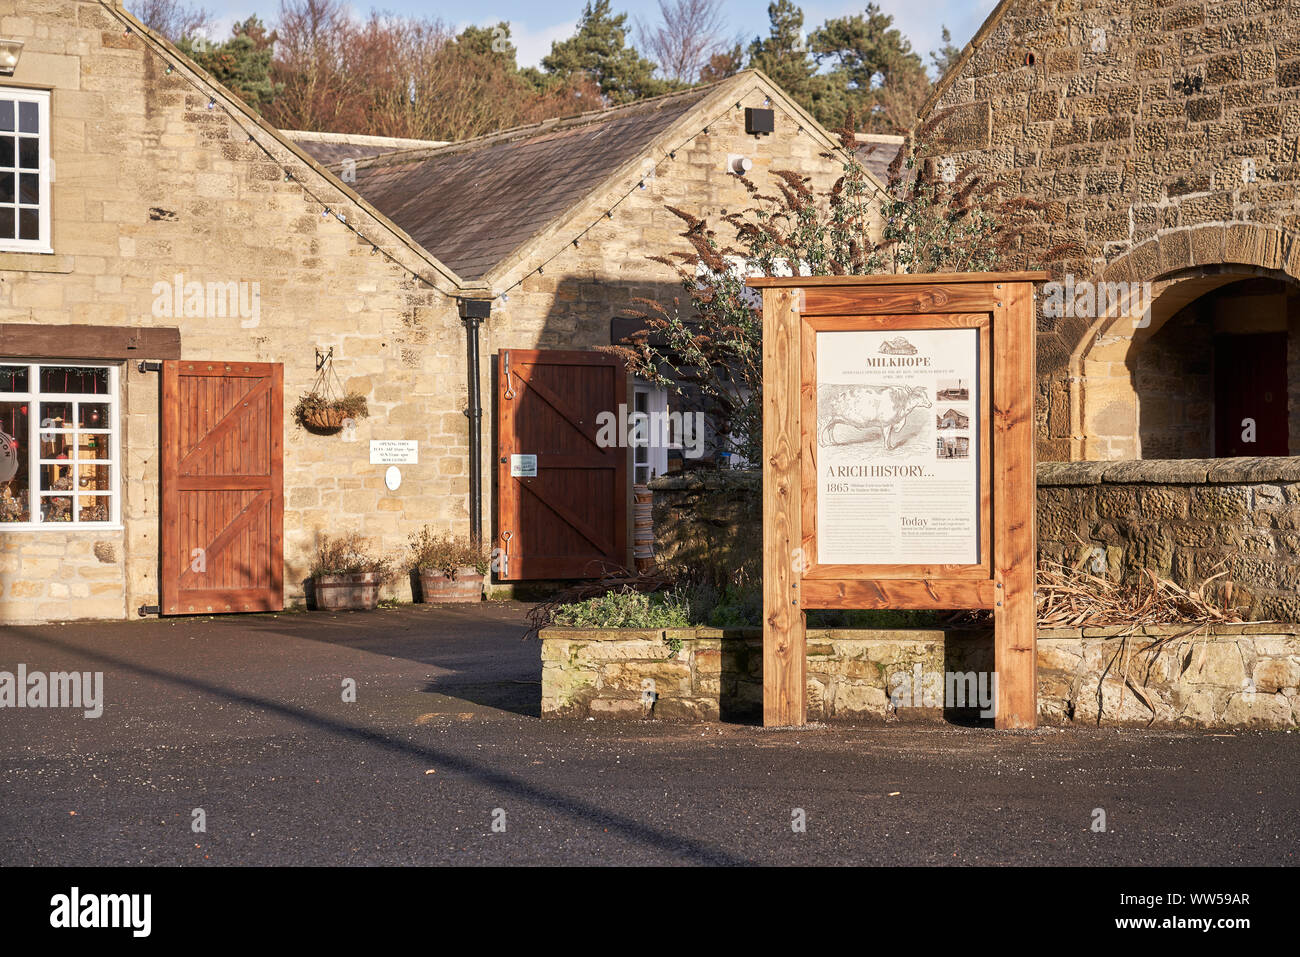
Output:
x,y
10,51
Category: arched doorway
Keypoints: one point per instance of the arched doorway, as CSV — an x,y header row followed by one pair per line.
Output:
x,y
1212,381
1193,356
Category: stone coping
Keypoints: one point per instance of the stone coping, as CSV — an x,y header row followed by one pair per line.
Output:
x,y
1135,471
1226,629
1170,471
707,480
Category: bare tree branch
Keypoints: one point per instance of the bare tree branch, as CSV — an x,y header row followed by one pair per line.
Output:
x,y
690,34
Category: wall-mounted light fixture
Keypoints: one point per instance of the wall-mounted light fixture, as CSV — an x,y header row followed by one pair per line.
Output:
x,y
10,51
759,121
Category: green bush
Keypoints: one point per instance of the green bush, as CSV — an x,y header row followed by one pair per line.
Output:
x,y
627,608
733,606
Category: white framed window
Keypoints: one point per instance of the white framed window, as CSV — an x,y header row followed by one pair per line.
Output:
x,y
59,449
652,432
24,171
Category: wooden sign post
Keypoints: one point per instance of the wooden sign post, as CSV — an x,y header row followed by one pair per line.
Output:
x,y
898,464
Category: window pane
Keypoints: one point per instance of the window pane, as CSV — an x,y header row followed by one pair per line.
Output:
x,y
6,222
6,114
57,478
55,415
29,152
91,447
93,478
30,188
14,503
29,224
57,508
92,415
93,508
29,118
13,379
74,380
7,188
7,146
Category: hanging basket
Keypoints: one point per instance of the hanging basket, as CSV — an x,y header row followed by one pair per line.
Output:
x,y
325,410
326,421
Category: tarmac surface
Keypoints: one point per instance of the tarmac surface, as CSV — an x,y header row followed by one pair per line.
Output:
x,y
244,717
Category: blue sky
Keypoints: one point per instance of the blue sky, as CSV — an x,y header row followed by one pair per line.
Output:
x,y
535,25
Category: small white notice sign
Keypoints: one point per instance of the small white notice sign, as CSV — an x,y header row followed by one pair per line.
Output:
x,y
523,466
394,452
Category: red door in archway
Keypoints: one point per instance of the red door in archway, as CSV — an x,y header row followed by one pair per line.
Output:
x,y
1250,395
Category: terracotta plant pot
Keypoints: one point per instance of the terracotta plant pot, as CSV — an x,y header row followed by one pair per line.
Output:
x,y
358,591
437,588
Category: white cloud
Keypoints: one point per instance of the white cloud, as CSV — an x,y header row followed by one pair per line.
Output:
x,y
532,44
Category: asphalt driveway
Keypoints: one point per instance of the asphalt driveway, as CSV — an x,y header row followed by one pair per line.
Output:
x,y
244,718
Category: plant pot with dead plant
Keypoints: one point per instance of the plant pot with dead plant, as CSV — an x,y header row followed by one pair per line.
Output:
x,y
348,572
451,569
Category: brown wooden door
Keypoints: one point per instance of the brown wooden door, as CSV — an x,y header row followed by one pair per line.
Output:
x,y
569,520
1250,384
222,487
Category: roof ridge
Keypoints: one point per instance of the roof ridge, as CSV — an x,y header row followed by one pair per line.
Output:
x,y
549,125
359,139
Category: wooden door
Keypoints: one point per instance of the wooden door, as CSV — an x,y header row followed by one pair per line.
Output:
x,y
561,496
1250,394
222,487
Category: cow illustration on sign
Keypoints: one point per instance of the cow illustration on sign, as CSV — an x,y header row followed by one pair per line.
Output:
x,y
868,408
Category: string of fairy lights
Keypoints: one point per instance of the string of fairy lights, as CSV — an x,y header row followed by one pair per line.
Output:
x,y
329,210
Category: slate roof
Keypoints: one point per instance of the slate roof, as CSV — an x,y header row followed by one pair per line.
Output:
x,y
472,204
331,149
876,151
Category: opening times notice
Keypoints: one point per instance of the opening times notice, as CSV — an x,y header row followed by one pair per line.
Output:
x,y
897,447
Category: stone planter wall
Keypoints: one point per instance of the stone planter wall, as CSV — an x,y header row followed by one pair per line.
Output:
x,y
1231,676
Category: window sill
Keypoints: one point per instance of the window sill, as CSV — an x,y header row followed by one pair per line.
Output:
x,y
59,527
31,260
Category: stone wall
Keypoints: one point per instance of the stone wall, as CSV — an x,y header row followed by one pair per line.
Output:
x,y
710,522
1135,124
156,179
1225,676
151,182
1186,520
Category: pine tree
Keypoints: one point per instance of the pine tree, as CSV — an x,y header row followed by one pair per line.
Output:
x,y
783,55
600,49
944,58
874,72
241,64
482,41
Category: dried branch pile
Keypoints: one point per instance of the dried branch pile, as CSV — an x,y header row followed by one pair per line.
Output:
x,y
1070,597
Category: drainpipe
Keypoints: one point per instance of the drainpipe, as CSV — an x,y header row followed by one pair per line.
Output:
x,y
472,314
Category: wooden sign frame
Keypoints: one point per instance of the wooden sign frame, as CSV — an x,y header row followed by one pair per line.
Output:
x,y
795,309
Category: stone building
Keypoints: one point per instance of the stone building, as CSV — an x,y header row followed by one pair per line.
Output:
x,y
149,218
1162,138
